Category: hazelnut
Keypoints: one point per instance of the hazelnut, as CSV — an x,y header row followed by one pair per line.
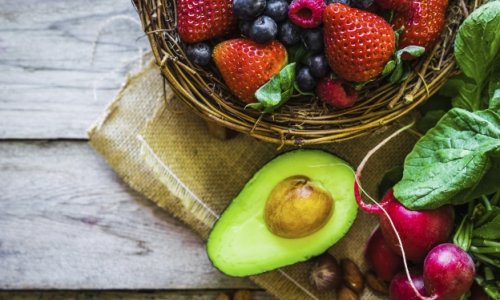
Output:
x,y
326,273
243,295
297,207
376,283
352,275
223,296
345,293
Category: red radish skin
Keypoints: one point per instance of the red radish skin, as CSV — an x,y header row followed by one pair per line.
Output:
x,y
381,258
400,288
419,231
416,231
448,272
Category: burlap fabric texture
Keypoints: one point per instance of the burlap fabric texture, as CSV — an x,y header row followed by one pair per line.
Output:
x,y
165,152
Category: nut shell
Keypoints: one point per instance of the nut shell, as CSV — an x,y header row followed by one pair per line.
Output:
x,y
243,295
352,275
345,293
223,296
376,284
326,273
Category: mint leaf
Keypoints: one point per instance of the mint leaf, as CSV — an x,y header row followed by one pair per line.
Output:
x,y
455,162
477,52
276,91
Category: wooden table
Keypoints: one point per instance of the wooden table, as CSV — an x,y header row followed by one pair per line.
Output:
x,y
67,222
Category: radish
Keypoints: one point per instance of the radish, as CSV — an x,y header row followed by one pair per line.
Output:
x,y
448,272
381,258
417,231
401,289
420,231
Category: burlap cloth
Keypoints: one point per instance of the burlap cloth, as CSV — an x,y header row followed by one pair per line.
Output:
x,y
166,153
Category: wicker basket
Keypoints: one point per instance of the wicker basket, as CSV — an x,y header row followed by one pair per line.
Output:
x,y
303,119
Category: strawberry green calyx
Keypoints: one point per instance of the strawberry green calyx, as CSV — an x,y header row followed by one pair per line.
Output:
x,y
276,91
396,67
402,69
246,65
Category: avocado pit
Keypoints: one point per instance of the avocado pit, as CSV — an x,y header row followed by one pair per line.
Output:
x,y
297,207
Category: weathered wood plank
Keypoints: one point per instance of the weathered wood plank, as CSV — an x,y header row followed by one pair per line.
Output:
x,y
67,221
105,295
46,77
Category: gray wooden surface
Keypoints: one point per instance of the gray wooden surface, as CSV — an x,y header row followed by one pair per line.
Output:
x,y
67,221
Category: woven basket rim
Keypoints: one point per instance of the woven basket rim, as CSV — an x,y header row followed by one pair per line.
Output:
x,y
302,120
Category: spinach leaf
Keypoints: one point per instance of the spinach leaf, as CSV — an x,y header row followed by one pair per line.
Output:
x,y
455,162
477,53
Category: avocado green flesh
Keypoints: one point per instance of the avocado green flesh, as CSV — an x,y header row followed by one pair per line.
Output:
x,y
240,243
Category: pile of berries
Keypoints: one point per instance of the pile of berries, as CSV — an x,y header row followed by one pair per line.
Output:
x,y
348,42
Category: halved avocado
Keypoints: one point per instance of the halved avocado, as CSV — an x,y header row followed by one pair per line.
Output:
x,y
240,244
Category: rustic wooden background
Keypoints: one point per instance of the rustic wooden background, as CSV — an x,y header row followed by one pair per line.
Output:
x,y
67,222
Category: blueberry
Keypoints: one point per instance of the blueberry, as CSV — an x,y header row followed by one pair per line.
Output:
x,y
245,26
346,2
263,30
313,39
289,33
248,9
276,9
305,80
199,53
362,4
318,65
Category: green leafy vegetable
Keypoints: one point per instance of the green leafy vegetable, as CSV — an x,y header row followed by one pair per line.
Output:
x,y
276,91
429,120
389,179
455,162
489,230
477,52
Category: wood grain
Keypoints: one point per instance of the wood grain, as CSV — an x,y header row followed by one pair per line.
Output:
x,y
46,76
67,221
152,295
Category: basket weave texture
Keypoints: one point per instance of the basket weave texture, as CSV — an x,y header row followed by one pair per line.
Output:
x,y
303,119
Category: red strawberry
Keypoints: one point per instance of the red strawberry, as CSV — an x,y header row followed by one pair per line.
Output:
x,y
358,44
246,65
202,20
336,93
397,5
423,24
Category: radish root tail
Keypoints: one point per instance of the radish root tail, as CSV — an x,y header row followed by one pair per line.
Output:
x,y
363,205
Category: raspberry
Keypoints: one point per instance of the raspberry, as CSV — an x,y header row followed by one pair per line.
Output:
x,y
336,93
306,13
